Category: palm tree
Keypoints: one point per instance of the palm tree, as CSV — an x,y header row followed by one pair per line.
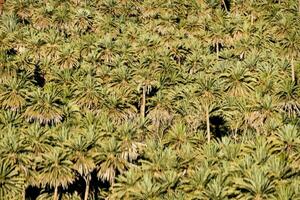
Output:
x,y
37,139
147,188
125,184
239,81
177,136
11,181
288,94
255,184
160,112
208,93
146,82
68,56
54,169
109,160
13,93
83,153
158,160
83,20
88,93
44,106
196,181
15,153
291,48
287,139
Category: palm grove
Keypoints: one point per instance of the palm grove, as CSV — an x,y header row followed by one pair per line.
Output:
x,y
149,99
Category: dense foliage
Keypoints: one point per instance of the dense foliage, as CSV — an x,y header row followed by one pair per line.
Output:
x,y
149,99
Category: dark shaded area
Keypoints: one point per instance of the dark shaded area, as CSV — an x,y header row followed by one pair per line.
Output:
x,y
11,52
213,48
38,76
219,127
96,186
32,192
227,4
153,92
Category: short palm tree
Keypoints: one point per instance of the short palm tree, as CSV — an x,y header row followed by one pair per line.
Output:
x,y
255,184
11,182
288,93
88,94
13,93
109,160
44,106
239,81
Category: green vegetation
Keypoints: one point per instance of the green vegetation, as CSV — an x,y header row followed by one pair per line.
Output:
x,y
149,99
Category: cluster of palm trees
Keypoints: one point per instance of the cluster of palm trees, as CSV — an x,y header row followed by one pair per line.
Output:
x,y
149,99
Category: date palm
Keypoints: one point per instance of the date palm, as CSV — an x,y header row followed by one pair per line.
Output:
x,y
291,48
14,151
118,105
88,94
255,184
83,20
287,139
44,106
109,160
239,81
160,112
83,153
158,160
13,93
177,136
68,56
11,181
208,94
288,94
146,82
55,170
37,139
125,184
9,119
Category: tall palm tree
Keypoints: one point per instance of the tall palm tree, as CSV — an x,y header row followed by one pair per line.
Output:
x,y
291,48
83,153
55,170
207,93
15,153
146,82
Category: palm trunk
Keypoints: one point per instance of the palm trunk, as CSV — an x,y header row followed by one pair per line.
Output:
x,y
224,3
24,192
207,125
217,48
252,19
55,197
1,6
293,68
143,103
87,187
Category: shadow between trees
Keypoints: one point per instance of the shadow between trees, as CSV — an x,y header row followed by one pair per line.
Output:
x,y
78,186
